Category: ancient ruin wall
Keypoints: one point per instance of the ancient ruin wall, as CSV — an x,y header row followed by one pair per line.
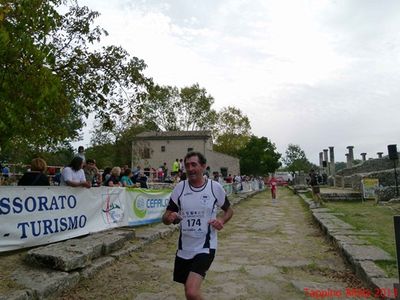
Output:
x,y
382,169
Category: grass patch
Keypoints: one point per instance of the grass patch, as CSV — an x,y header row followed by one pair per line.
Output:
x,y
242,270
369,216
308,194
390,267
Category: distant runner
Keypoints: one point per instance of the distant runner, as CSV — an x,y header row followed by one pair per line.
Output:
x,y
273,183
315,188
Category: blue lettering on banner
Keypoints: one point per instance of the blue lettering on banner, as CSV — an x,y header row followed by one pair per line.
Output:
x,y
50,226
31,204
155,203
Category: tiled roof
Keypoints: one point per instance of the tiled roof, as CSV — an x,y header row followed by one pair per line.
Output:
x,y
174,134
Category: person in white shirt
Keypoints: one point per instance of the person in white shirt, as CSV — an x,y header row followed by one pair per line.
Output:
x,y
193,204
81,153
73,175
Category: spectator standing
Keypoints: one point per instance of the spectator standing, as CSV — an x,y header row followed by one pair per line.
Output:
x,y
81,153
175,168
6,172
36,175
106,174
73,175
207,172
114,179
142,180
229,179
160,174
165,170
126,178
238,183
57,177
135,174
182,166
315,188
92,173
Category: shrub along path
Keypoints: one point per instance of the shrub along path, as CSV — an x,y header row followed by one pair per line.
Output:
x,y
267,251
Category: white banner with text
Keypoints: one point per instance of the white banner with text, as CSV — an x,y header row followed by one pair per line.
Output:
x,y
31,216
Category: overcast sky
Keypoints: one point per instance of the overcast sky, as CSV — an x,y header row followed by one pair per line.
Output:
x,y
314,73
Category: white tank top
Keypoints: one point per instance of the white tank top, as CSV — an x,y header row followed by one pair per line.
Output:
x,y
197,206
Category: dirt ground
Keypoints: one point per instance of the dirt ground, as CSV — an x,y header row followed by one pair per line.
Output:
x,y
267,251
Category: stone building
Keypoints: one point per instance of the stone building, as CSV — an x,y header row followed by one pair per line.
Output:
x,y
152,149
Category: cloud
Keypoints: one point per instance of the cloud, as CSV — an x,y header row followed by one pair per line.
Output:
x,y
316,73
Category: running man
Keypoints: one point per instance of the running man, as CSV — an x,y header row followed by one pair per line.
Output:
x,y
194,203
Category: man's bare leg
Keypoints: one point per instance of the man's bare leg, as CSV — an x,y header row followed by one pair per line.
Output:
x,y
192,286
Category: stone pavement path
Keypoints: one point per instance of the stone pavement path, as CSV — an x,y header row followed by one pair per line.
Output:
x,y
267,251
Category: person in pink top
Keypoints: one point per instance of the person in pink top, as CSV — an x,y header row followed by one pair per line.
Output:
x,y
273,183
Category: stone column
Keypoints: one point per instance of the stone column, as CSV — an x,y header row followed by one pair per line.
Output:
x,y
347,161
364,156
326,160
351,155
332,164
321,159
379,154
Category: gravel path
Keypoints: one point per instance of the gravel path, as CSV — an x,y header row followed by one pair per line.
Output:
x,y
267,251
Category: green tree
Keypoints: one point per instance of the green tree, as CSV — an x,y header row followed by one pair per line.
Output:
x,y
161,108
115,148
259,157
340,165
51,78
232,131
295,159
172,109
195,111
31,95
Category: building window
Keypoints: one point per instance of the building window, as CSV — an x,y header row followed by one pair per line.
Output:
x,y
190,149
146,153
162,148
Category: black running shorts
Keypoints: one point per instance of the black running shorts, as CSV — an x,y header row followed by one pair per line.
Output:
x,y
198,264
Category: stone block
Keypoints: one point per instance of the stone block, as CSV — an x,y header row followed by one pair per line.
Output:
x,y
43,282
352,232
364,252
114,240
78,253
336,223
18,295
149,234
128,249
96,266
323,211
386,286
368,269
345,239
62,256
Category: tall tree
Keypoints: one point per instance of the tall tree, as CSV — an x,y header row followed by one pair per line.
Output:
x,y
195,111
259,157
51,78
295,159
232,131
161,108
35,109
170,108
